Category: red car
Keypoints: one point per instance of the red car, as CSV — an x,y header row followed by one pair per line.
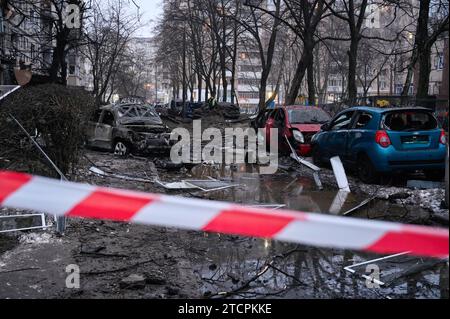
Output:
x,y
298,123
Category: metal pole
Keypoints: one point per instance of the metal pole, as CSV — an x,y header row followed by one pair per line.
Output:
x,y
60,221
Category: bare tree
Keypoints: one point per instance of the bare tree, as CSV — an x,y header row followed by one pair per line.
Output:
x,y
108,31
53,29
263,29
432,22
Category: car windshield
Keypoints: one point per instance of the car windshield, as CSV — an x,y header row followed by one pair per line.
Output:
x,y
130,111
410,120
308,116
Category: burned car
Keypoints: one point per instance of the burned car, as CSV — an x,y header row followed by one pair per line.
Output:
x,y
128,128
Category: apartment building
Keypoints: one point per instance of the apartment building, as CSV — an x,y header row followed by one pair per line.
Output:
x,y
26,41
384,74
154,76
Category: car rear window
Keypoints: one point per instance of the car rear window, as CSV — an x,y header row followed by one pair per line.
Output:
x,y
308,116
410,120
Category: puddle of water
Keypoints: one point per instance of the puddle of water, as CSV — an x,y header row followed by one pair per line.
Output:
x,y
297,193
228,263
238,266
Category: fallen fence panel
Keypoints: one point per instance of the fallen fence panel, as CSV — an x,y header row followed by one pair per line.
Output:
x,y
41,217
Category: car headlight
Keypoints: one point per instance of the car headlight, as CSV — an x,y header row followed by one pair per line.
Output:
x,y
298,136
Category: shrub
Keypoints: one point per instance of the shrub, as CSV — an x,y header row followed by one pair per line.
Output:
x,y
56,115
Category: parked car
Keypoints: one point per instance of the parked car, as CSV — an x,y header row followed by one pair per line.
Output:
x,y
297,123
193,109
162,109
376,141
128,128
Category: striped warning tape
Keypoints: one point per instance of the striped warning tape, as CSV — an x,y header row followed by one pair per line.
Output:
x,y
79,200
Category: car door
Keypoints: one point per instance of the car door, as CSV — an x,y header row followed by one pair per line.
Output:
x,y
104,130
337,135
91,127
359,135
269,124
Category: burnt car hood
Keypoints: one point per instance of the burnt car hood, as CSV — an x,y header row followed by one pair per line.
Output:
x,y
144,125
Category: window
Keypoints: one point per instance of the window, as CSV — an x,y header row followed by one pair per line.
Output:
x,y
363,120
410,120
342,122
399,89
249,95
250,68
252,82
33,52
96,116
334,82
308,116
108,118
439,61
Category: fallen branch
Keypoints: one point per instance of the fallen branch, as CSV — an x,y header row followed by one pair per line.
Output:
x,y
415,269
288,275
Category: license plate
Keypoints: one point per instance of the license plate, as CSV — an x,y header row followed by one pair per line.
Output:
x,y
416,139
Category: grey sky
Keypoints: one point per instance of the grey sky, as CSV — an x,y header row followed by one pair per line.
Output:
x,y
151,10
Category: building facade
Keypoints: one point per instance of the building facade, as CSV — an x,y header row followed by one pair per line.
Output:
x,y
27,41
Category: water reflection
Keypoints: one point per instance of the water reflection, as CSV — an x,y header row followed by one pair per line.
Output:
x,y
297,193
237,267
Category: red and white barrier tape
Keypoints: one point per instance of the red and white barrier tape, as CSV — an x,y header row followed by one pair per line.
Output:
x,y
79,200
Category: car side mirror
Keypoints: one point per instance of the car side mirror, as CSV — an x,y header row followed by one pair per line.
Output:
x,y
325,127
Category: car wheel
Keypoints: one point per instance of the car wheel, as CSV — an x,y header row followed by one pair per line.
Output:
x,y
121,149
366,171
435,175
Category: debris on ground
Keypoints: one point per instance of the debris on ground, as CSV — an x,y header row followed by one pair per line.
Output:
x,y
133,281
163,262
414,184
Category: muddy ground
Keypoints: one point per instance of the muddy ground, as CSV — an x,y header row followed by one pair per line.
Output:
x,y
170,263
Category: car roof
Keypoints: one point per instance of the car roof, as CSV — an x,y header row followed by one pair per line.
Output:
x,y
112,107
387,110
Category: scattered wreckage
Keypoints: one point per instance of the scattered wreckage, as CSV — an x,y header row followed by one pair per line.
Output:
x,y
128,128
198,110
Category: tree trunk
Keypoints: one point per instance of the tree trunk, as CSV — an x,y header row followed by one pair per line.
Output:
x,y
352,89
424,62
233,61
297,80
58,64
305,62
262,93
199,87
423,50
311,87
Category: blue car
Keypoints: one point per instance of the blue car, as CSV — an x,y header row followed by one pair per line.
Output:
x,y
378,141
